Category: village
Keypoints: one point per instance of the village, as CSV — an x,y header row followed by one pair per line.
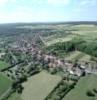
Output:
x,y
47,61
42,60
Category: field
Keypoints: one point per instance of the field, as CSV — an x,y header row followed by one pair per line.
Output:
x,y
53,40
68,41
14,96
5,84
79,92
77,55
39,86
87,32
3,65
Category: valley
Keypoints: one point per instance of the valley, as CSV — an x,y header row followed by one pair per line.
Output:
x,y
51,61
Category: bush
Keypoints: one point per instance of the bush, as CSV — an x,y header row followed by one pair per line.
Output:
x,y
95,90
90,93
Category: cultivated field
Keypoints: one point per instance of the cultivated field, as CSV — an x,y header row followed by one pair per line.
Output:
x,y
39,86
84,84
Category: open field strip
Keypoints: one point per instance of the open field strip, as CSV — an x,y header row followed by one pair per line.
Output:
x,y
88,33
39,86
5,84
77,55
84,27
61,39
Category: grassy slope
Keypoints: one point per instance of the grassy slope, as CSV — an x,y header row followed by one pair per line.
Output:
x,y
84,84
14,96
3,65
39,86
5,83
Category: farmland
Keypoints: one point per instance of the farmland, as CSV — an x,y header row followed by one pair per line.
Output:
x,y
15,96
48,61
77,55
55,39
80,90
39,86
5,84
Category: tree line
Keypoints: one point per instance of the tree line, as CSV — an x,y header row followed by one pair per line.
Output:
x,y
75,44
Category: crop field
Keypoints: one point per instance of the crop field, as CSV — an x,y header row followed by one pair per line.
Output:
x,y
84,84
3,65
39,86
5,84
77,55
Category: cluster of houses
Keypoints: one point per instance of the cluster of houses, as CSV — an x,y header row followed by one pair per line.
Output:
x,y
53,62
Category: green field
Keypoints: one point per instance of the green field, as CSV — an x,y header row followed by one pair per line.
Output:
x,y
14,96
55,39
5,84
39,86
86,32
3,65
77,55
84,84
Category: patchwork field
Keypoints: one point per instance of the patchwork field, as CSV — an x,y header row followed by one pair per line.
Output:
x,y
5,84
3,65
87,32
79,92
39,86
69,41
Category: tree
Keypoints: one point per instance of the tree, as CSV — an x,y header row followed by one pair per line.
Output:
x,y
95,90
20,88
90,93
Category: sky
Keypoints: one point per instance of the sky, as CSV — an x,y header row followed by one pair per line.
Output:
x,y
12,11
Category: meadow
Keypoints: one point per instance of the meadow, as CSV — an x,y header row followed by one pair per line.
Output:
x,y
14,96
5,84
69,32
39,86
77,55
86,83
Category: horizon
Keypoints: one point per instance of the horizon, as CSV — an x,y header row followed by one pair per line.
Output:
x,y
57,22
47,11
